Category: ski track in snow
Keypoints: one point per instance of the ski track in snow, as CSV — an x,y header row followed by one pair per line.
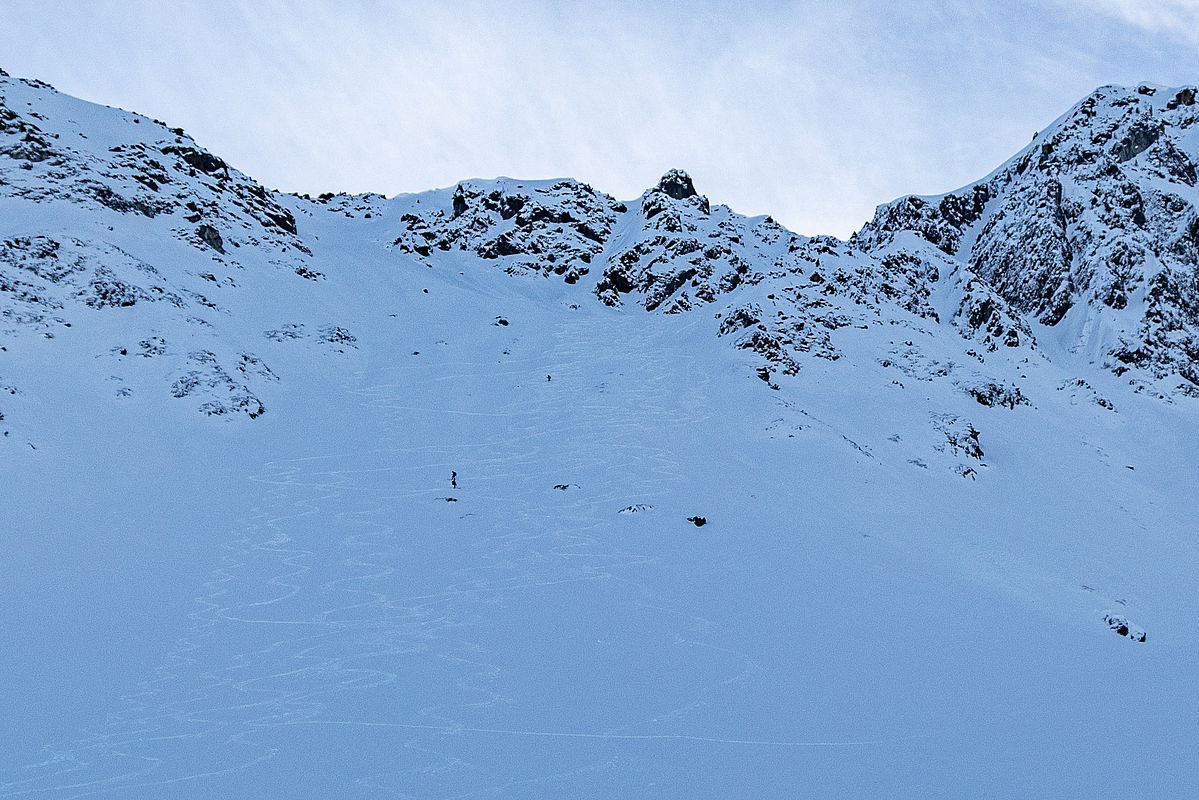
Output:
x,y
262,657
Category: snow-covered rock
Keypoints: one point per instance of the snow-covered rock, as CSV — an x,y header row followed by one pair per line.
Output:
x,y
1091,231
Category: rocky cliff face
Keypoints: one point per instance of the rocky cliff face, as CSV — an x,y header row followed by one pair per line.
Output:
x,y
1090,233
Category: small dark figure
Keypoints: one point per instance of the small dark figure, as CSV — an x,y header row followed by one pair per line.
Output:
x,y
453,479
549,377
699,521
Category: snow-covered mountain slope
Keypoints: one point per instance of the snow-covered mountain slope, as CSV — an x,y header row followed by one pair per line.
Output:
x,y
352,496
1092,231
121,236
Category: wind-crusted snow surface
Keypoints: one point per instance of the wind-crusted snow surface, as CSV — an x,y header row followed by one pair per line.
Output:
x,y
358,497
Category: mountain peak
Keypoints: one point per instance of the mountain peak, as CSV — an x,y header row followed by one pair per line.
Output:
x,y
1092,230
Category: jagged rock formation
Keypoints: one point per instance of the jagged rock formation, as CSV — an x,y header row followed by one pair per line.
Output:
x,y
536,226
1091,231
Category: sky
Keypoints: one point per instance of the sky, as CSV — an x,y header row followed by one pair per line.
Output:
x,y
813,111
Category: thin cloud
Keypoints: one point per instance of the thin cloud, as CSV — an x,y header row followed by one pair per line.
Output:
x,y
1177,18
813,111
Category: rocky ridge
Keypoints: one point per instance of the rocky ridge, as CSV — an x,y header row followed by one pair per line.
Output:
x,y
1087,240
1091,233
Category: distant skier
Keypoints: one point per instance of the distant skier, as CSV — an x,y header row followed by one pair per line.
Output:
x,y
453,479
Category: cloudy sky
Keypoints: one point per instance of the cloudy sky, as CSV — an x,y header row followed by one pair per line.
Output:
x,y
814,111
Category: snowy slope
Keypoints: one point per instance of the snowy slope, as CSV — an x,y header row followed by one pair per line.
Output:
x,y
937,524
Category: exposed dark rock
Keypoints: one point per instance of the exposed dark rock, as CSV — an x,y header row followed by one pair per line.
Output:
x,y
459,202
996,394
198,159
117,202
1139,138
282,218
677,184
337,336
288,332
108,291
960,438
220,393
1185,97
1120,625
211,237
